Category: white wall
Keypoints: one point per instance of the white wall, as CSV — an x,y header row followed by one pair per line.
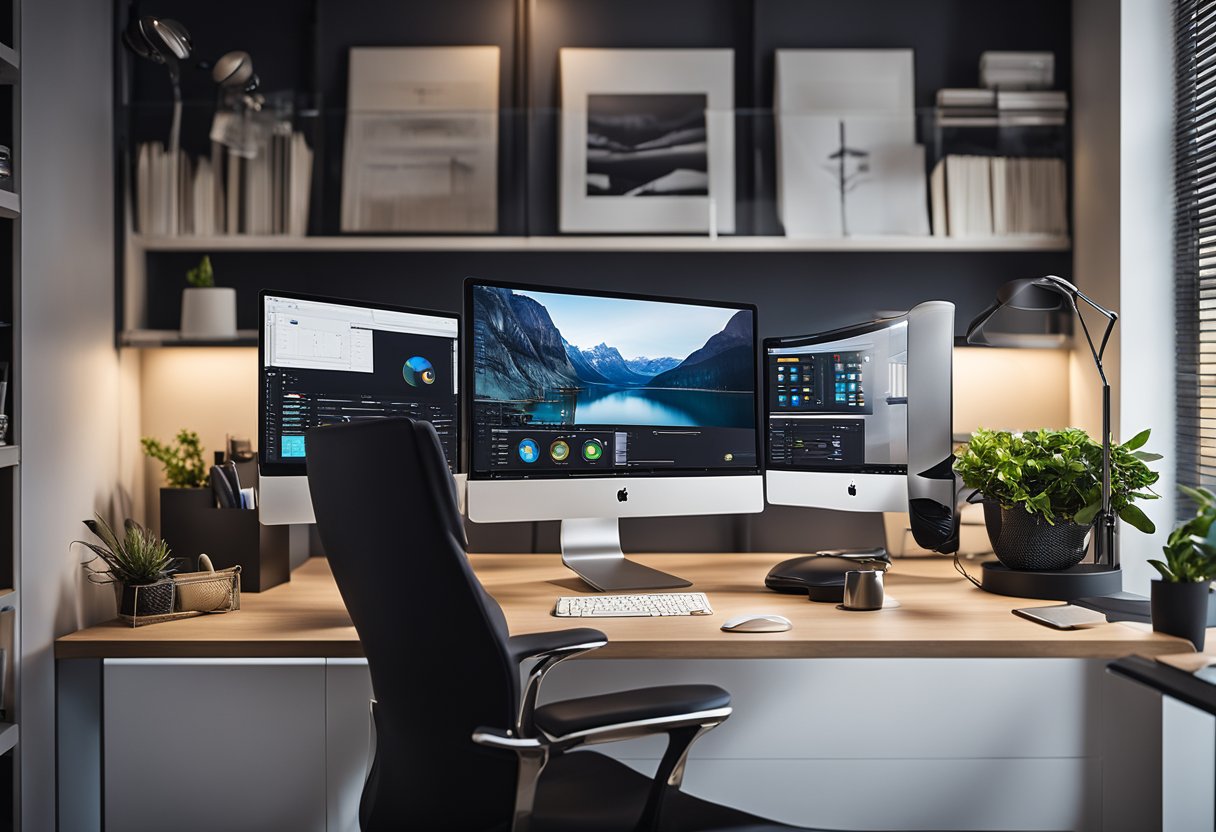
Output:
x,y
1146,274
1123,182
70,402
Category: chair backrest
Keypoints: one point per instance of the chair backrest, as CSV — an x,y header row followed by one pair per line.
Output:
x,y
435,642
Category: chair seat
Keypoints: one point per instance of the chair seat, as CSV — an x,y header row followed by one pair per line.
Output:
x,y
571,716
587,791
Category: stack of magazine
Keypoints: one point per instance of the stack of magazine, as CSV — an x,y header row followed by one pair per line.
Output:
x,y
224,193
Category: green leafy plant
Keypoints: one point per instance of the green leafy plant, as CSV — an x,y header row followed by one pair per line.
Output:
x,y
1189,556
1057,474
183,459
201,276
136,558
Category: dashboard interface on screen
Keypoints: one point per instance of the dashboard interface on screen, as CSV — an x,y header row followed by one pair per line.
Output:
x,y
569,384
839,405
329,362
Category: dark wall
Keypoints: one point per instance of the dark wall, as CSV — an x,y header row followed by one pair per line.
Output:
x,y
796,293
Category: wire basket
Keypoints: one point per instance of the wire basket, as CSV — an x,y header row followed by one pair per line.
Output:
x,y
190,594
200,592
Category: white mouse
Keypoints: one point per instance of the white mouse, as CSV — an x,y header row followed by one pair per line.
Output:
x,y
758,622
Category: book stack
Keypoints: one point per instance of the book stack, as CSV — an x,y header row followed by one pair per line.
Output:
x,y
1001,108
996,196
966,107
1031,108
1017,70
224,193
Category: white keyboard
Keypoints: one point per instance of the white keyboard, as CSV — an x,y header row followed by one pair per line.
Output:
x,y
622,606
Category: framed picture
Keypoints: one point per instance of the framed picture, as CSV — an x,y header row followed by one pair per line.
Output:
x,y
421,149
648,141
847,158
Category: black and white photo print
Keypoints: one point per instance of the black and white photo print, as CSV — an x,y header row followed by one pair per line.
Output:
x,y
647,145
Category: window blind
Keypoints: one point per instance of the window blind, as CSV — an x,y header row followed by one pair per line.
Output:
x,y
1195,239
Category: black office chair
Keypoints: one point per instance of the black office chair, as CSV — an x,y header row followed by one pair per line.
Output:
x,y
446,676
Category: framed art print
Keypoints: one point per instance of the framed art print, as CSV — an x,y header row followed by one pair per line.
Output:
x,y
648,142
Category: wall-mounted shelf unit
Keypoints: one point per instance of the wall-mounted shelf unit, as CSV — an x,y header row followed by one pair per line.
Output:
x,y
10,454
799,284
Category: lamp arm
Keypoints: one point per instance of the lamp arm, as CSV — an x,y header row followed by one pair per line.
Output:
x,y
1111,318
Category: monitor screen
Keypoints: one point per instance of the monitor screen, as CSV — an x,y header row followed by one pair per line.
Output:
x,y
567,384
329,361
839,401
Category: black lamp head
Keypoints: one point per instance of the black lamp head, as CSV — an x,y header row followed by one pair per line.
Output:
x,y
160,40
1036,294
1047,296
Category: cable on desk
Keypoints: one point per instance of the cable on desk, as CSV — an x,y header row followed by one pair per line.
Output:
x,y
958,566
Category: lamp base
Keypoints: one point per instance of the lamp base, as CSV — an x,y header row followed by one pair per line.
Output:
x,y
1084,580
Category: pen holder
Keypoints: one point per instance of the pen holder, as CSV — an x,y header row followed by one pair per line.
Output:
x,y
191,525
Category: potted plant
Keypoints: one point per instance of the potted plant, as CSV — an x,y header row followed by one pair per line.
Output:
x,y
186,492
1042,490
138,563
1179,600
208,311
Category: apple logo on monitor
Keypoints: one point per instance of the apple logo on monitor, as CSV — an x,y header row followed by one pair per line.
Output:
x,y
622,496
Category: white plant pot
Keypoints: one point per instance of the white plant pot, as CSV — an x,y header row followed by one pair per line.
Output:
x,y
209,312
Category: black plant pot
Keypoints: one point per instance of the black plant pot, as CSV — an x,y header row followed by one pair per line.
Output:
x,y
146,599
1026,541
1181,609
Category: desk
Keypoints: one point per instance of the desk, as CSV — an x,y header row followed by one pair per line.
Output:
x,y
823,711
940,616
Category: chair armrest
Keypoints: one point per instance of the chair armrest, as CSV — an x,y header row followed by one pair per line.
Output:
x,y
538,645
505,740
547,649
631,713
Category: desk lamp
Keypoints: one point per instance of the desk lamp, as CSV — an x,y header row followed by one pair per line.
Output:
x,y
1044,296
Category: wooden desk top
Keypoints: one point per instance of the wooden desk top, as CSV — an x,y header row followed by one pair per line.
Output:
x,y
941,616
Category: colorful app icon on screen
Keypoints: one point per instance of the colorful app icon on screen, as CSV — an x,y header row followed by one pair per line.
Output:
x,y
592,450
418,371
529,451
559,450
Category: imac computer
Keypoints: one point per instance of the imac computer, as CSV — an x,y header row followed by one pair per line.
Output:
x,y
588,407
859,419
325,361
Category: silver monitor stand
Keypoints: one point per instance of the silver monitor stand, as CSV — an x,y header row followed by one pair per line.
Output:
x,y
592,548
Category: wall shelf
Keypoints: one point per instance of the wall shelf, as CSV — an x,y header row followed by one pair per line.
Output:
x,y
10,65
10,205
8,737
10,455
156,338
243,243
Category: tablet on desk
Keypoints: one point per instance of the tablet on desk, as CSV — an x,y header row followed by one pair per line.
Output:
x,y
1062,616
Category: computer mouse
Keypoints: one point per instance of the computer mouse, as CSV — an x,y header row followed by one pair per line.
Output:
x,y
757,622
821,575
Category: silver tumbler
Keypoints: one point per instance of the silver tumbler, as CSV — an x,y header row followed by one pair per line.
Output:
x,y
863,590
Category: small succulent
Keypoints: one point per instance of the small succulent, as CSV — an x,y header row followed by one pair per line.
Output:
x,y
201,276
136,558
